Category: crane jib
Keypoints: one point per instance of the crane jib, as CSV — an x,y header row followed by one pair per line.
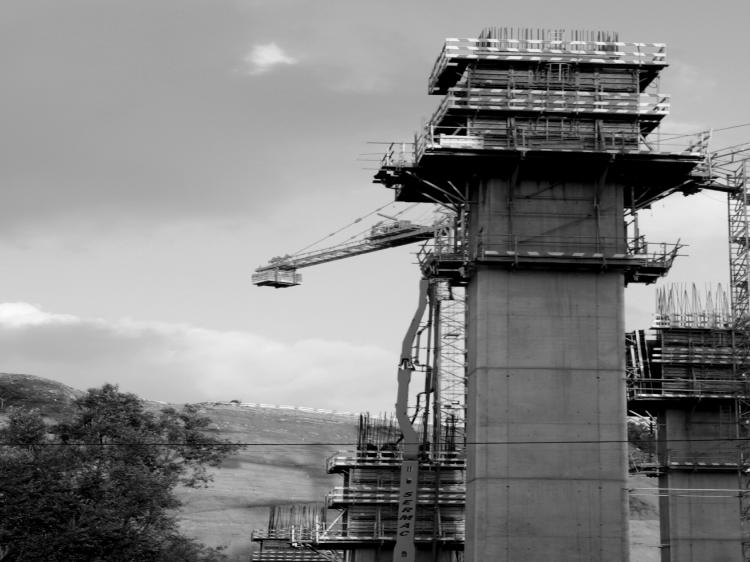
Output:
x,y
282,271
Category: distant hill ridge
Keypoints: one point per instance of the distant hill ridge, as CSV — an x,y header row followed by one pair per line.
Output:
x,y
50,396
305,409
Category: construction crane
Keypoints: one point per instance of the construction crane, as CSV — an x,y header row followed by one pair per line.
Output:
x,y
281,272
438,353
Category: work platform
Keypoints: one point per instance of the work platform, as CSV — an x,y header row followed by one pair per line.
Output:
x,y
427,177
515,106
682,364
497,47
369,498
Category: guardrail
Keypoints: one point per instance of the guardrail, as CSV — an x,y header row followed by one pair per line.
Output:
x,y
447,494
399,155
446,459
359,530
615,52
292,534
686,388
627,137
727,455
576,247
444,535
552,101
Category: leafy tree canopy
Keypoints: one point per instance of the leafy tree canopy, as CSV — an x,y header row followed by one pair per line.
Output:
x,y
100,487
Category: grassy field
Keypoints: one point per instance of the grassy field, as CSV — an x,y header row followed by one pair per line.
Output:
x,y
265,473
284,463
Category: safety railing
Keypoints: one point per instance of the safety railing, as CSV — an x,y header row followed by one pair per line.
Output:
x,y
548,134
278,276
457,536
685,387
382,528
561,246
695,354
721,454
291,534
355,459
551,101
447,494
293,555
719,320
562,51
399,155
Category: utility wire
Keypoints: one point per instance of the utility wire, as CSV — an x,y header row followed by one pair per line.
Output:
x,y
349,443
672,136
732,127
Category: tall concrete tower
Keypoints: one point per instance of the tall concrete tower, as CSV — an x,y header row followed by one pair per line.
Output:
x,y
540,144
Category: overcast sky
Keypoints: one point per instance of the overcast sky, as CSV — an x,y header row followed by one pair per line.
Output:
x,y
153,153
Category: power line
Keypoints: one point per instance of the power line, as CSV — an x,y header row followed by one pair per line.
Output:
x,y
692,134
732,127
349,443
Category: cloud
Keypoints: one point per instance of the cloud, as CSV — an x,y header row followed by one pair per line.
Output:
x,y
263,58
20,314
184,363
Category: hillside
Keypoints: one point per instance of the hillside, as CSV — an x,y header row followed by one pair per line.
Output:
x,y
284,463
264,474
51,398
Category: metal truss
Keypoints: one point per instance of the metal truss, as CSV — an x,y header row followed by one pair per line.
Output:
x,y
739,267
450,363
739,247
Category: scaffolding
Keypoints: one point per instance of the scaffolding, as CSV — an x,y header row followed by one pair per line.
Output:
x,y
290,535
691,353
739,246
547,93
450,366
545,89
739,276
361,515
368,499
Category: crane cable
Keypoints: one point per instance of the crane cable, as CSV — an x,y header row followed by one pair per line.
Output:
x,y
398,214
355,221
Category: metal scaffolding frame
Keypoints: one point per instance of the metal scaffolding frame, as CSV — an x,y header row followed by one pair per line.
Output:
x,y
739,247
739,267
450,365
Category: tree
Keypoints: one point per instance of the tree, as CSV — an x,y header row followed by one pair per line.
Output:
x,y
100,487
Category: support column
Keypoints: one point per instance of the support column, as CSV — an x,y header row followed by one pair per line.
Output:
x,y
700,502
546,417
